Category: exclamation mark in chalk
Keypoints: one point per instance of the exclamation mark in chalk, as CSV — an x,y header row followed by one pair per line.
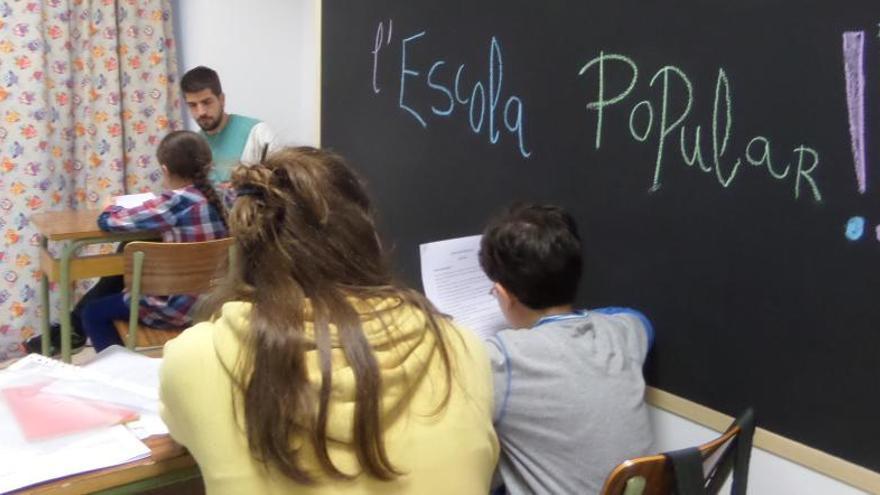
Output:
x,y
854,69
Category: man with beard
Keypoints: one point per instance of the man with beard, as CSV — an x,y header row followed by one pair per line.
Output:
x,y
233,138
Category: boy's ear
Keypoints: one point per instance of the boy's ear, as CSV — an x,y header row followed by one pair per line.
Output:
x,y
505,297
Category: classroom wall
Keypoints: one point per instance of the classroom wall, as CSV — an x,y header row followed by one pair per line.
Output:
x,y
267,54
268,58
768,473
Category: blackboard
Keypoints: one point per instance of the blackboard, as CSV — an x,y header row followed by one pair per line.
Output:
x,y
762,287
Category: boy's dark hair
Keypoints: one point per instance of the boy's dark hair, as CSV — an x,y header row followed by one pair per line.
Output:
x,y
534,251
200,78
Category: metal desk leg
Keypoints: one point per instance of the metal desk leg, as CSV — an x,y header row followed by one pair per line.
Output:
x,y
44,299
65,292
65,295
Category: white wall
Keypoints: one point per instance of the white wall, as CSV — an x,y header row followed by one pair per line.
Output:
x,y
267,54
768,474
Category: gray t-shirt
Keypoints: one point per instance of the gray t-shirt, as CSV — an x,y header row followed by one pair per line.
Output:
x,y
569,400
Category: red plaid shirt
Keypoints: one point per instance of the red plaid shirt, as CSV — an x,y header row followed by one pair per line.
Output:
x,y
181,215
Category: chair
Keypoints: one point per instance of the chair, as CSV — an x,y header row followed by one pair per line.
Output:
x,y
697,470
162,269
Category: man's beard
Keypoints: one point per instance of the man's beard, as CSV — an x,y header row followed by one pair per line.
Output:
x,y
209,125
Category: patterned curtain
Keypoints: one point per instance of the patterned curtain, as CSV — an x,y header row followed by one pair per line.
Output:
x,y
87,90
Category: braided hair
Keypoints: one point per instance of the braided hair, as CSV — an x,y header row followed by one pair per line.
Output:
x,y
188,156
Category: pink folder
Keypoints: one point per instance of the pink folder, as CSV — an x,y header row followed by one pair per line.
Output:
x,y
42,415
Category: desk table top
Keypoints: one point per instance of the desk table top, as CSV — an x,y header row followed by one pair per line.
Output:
x,y
68,224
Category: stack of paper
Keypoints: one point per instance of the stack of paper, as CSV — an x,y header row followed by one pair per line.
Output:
x,y
54,416
24,463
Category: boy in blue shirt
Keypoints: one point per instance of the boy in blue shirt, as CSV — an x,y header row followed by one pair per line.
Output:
x,y
569,390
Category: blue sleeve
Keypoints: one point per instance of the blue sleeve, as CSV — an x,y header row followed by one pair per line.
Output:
x,y
646,323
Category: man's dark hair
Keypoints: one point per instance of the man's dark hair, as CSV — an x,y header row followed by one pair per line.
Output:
x,y
534,251
200,78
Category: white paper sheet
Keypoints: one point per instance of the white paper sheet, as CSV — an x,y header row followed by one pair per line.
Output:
x,y
455,283
116,376
138,378
128,367
115,381
132,200
25,463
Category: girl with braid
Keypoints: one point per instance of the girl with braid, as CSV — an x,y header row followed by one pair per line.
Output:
x,y
316,373
189,210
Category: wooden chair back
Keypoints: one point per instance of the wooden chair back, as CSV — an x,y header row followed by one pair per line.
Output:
x,y
654,474
168,268
177,267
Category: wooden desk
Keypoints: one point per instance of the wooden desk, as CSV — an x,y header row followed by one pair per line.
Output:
x,y
168,463
81,229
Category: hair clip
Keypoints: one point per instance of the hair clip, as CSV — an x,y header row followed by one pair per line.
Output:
x,y
248,191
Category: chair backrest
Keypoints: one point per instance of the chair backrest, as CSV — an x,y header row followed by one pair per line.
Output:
x,y
656,475
177,267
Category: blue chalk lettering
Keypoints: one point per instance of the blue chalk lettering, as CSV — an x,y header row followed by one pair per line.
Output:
x,y
517,126
494,88
479,86
405,72
440,88
457,92
377,45
855,228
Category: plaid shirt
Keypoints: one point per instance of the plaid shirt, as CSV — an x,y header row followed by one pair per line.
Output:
x,y
181,215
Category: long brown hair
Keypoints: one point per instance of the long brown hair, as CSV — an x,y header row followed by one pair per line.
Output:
x,y
305,236
188,156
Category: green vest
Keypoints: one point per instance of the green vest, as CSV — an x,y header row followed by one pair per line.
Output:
x,y
228,145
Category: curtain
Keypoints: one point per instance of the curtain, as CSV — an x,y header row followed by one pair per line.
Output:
x,y
87,90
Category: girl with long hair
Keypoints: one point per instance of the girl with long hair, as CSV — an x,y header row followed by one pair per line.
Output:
x,y
315,372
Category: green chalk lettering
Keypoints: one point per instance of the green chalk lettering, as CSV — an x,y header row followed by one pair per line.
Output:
x,y
718,150
697,155
665,128
632,115
765,157
805,173
600,103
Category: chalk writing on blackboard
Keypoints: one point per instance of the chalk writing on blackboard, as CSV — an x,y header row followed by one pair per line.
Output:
x,y
855,228
377,45
675,105
483,107
854,70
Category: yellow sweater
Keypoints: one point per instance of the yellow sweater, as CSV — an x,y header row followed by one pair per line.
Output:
x,y
453,451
